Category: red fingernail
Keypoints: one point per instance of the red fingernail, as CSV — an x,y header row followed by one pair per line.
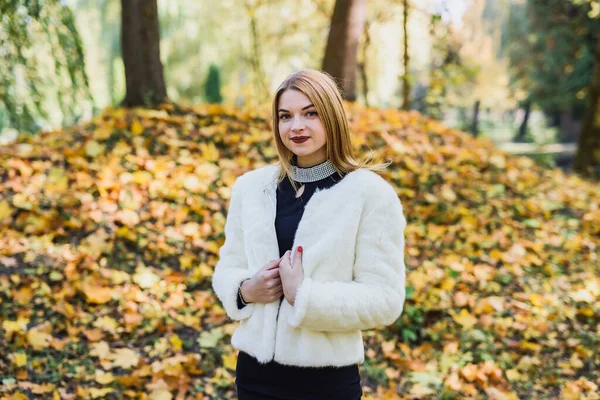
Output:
x,y
300,249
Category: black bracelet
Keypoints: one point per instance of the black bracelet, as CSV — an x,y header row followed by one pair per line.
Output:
x,y
240,292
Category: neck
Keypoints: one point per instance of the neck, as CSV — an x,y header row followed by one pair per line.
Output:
x,y
308,161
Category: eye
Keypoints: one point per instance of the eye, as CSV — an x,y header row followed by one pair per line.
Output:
x,y
282,116
314,113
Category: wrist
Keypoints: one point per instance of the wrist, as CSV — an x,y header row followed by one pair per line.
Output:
x,y
244,292
295,293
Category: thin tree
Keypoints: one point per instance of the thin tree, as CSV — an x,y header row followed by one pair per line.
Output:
x,y
140,48
523,127
347,24
260,80
362,65
27,98
588,148
475,122
405,77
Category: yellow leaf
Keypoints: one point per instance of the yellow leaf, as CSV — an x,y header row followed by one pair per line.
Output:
x,y
388,347
176,342
19,359
127,233
125,358
5,209
141,177
102,132
160,390
207,172
106,323
536,299
419,389
136,127
58,181
96,294
128,217
104,377
40,337
469,372
99,393
464,318
430,198
448,284
43,388
498,161
209,151
191,229
145,278
204,270
212,247
448,194
100,350
93,148
576,361
513,375
185,261
194,184
229,361
583,295
23,295
20,200
161,394
530,346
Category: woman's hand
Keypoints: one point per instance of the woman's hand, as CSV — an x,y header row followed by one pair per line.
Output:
x,y
292,274
265,286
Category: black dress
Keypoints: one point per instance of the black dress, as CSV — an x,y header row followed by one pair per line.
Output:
x,y
274,381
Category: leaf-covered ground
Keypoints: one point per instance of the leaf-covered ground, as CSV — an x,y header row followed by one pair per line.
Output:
x,y
109,233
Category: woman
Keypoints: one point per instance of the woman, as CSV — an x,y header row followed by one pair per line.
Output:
x,y
334,232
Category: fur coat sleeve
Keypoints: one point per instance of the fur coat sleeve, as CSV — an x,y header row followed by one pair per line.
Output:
x,y
375,296
232,266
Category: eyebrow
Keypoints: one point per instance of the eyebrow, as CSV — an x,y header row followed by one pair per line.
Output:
x,y
304,108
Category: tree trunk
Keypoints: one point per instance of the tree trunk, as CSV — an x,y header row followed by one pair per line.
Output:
x,y
140,49
405,77
520,138
475,126
362,66
588,146
261,87
347,24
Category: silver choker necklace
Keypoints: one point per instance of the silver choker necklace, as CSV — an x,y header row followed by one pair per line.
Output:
x,y
312,174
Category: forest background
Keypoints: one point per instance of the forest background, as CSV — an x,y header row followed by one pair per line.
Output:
x,y
516,72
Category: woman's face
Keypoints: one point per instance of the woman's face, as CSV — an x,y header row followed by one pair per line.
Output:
x,y
298,118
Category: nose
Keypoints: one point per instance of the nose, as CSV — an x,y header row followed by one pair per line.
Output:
x,y
297,125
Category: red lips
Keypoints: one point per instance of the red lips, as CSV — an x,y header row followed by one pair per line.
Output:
x,y
300,139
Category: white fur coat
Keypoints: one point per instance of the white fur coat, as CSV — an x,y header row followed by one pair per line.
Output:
x,y
352,236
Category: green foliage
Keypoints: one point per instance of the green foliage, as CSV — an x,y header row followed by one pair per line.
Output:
x,y
550,47
212,87
42,58
450,72
412,318
375,372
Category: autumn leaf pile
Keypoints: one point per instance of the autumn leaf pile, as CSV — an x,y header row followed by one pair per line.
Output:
x,y
109,233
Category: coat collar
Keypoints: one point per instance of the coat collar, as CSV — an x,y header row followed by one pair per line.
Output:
x,y
267,183
269,174
262,182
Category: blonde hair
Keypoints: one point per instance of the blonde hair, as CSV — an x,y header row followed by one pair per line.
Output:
x,y
323,92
